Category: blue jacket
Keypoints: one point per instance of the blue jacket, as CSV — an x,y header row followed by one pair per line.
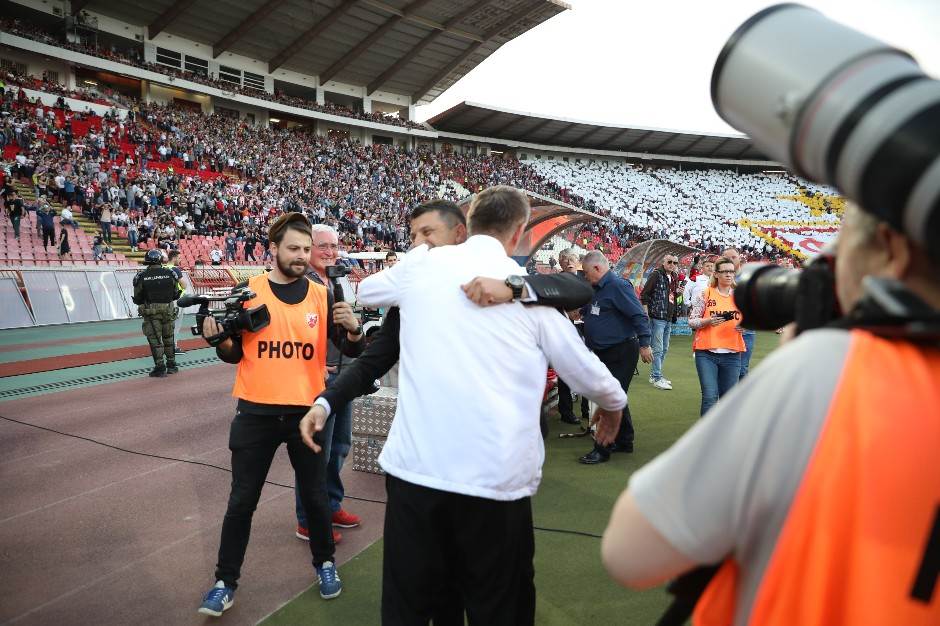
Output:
x,y
614,315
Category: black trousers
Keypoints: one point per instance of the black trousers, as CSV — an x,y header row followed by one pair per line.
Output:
x,y
445,552
566,404
621,360
253,440
48,238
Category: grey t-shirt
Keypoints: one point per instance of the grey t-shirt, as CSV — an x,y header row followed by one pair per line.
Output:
x,y
726,486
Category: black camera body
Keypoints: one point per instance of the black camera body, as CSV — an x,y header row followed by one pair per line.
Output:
x,y
234,319
337,271
771,297
728,316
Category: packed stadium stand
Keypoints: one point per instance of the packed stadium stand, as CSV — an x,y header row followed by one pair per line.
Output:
x,y
699,208
187,179
182,177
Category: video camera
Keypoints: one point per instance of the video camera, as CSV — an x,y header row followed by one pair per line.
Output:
x,y
337,271
233,319
840,108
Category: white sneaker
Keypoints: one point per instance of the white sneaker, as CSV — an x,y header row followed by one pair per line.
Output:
x,y
667,381
663,384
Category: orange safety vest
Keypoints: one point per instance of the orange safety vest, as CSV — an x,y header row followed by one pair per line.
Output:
x,y
285,362
724,335
859,545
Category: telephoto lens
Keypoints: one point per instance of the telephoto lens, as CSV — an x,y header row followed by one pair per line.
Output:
x,y
766,295
838,107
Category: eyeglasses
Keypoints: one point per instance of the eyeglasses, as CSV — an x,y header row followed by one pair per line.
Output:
x,y
323,247
670,262
726,272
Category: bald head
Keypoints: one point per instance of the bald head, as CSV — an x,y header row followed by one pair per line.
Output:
x,y
595,265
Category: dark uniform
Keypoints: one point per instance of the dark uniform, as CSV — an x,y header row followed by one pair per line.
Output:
x,y
155,291
615,328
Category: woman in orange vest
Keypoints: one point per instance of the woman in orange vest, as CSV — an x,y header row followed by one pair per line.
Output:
x,y
718,343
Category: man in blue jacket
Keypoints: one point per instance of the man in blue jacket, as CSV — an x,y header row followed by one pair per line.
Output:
x,y
618,331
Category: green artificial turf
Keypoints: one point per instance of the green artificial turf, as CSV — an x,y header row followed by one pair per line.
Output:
x,y
571,584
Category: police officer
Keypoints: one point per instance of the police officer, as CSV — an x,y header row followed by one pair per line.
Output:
x,y
156,291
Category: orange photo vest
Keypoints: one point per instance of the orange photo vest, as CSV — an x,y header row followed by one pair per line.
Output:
x,y
725,335
285,362
861,542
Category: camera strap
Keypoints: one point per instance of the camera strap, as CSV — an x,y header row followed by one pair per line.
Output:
x,y
215,340
889,309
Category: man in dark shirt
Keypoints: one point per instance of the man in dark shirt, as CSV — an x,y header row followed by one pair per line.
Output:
x,y
230,243
618,331
659,301
15,208
46,218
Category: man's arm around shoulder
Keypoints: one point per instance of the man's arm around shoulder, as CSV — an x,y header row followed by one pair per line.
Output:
x,y
563,290
385,288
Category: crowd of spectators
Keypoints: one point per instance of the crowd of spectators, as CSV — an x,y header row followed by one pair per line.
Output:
x,y
107,97
168,173
698,208
134,56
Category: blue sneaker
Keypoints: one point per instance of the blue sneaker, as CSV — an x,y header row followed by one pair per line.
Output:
x,y
217,600
330,584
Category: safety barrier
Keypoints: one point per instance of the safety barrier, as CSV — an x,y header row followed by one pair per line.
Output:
x,y
63,295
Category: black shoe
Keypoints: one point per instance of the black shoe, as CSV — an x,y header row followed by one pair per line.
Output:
x,y
593,458
158,372
172,369
571,419
622,447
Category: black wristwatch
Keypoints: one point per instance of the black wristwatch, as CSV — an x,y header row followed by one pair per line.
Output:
x,y
358,331
517,284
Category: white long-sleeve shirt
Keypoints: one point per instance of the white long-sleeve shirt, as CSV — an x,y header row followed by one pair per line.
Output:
x,y
472,379
694,288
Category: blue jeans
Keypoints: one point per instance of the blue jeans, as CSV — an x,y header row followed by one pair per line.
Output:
x,y
749,337
659,342
717,373
337,441
132,238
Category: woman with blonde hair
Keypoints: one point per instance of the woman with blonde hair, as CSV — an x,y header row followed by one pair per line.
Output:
x,y
718,343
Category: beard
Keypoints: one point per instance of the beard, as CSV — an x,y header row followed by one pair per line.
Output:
x,y
290,268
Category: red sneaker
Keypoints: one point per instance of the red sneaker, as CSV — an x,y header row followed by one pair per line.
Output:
x,y
344,519
304,534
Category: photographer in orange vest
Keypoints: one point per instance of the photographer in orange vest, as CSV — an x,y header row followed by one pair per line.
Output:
x,y
815,483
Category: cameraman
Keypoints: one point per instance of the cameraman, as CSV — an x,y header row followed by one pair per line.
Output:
x,y
281,369
816,481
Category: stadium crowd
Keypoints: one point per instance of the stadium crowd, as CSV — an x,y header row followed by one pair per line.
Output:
x,y
133,56
170,173
698,208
